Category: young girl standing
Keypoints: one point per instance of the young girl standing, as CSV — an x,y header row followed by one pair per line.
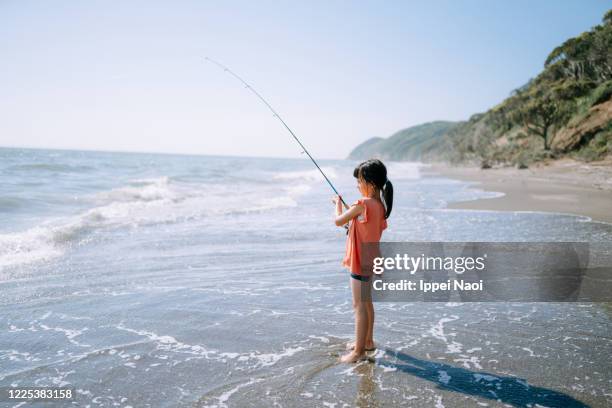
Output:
x,y
368,218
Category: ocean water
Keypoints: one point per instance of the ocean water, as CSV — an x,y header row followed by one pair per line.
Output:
x,y
164,281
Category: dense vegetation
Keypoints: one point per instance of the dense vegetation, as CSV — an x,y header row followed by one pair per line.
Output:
x,y
565,110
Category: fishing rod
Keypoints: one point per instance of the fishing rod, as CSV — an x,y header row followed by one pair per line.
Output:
x,y
226,69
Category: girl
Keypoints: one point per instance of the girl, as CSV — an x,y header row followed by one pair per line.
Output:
x,y
369,218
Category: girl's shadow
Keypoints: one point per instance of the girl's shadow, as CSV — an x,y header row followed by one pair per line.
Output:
x,y
509,390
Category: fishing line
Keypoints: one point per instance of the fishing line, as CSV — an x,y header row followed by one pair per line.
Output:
x,y
226,69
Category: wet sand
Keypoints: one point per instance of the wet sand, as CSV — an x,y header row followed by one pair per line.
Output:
x,y
564,186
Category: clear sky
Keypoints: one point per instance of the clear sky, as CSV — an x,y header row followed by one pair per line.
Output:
x,y
130,75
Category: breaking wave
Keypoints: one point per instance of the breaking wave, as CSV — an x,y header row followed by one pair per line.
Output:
x,y
141,202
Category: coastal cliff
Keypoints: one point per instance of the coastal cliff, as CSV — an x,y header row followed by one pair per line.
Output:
x,y
566,111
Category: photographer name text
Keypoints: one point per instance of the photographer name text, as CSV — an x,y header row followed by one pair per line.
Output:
x,y
428,287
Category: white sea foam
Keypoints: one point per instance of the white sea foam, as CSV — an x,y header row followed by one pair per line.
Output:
x,y
323,339
142,190
116,207
25,247
171,344
437,331
268,359
141,202
469,362
19,356
223,398
42,242
69,333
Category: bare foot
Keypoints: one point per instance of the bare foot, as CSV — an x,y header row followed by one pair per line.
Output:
x,y
352,357
368,347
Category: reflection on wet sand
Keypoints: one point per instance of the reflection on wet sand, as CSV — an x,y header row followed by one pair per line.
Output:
x,y
366,395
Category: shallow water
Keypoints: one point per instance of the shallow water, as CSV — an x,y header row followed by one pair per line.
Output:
x,y
153,280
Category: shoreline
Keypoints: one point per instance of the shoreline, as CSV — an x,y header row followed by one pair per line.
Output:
x,y
563,186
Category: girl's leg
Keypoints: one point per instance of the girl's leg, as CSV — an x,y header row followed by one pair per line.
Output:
x,y
369,343
361,323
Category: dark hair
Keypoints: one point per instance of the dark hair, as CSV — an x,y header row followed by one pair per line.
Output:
x,y
374,171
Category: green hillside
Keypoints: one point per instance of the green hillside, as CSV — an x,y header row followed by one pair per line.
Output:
x,y
413,143
565,111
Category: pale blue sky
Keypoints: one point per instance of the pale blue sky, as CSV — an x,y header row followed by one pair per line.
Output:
x,y
130,76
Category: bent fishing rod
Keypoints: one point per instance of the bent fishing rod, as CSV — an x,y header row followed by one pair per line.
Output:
x,y
304,150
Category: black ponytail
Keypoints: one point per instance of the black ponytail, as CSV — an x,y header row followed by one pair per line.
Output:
x,y
374,171
387,193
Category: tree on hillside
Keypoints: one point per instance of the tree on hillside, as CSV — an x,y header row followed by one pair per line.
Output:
x,y
607,19
586,57
539,115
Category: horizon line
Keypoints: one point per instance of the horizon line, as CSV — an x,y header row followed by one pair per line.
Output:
x,y
162,153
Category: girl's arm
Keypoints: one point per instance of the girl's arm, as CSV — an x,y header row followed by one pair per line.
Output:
x,y
352,212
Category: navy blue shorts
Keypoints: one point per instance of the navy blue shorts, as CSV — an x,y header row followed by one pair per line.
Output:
x,y
360,278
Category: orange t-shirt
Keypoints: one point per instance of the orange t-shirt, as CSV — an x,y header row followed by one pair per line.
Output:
x,y
367,227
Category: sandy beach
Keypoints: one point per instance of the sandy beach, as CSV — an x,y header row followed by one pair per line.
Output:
x,y
563,186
